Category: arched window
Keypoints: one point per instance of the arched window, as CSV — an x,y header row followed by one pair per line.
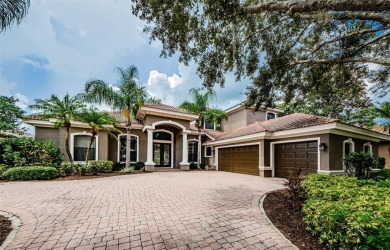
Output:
x,y
193,151
367,147
79,146
134,146
348,147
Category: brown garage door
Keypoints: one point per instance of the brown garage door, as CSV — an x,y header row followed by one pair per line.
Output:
x,y
243,159
292,156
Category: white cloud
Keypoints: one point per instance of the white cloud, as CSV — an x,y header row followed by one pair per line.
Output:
x,y
173,90
23,100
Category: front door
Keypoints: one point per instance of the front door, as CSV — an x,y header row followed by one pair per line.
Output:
x,y
162,154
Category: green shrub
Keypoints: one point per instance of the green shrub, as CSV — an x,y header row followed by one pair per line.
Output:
x,y
347,213
127,170
16,152
118,166
3,168
384,174
295,188
67,168
99,166
193,165
30,173
360,164
139,165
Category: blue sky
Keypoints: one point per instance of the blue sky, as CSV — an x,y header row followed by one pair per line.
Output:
x,y
62,44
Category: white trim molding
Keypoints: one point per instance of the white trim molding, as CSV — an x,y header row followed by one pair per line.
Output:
x,y
351,147
160,112
71,146
237,145
205,152
165,141
169,122
119,146
369,146
272,151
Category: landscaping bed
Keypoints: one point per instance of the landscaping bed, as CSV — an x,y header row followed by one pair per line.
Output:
x,y
5,228
101,175
289,220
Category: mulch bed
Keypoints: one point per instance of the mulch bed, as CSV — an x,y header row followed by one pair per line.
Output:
x,y
5,228
289,221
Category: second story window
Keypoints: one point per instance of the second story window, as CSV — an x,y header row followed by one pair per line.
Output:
x,y
208,124
270,116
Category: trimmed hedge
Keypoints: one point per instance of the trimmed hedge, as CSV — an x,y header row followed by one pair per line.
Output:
x,y
30,173
99,166
347,213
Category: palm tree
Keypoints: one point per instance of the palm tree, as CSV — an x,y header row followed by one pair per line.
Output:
x,y
12,11
200,104
98,121
63,110
127,96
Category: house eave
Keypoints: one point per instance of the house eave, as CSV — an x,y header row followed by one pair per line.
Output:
x,y
164,113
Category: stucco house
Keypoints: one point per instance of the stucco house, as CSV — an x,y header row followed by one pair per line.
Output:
x,y
249,142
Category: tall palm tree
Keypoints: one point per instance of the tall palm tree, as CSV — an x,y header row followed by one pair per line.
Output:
x,y
98,121
63,110
127,96
12,11
201,103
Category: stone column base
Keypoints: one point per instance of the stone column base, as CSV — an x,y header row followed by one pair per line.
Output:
x,y
184,166
149,167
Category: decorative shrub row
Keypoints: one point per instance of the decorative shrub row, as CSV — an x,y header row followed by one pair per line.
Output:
x,y
99,166
30,173
360,164
347,213
16,152
139,165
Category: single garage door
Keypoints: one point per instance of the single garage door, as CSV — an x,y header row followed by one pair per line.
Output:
x,y
243,159
289,157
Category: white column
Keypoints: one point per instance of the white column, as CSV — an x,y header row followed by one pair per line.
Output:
x,y
185,150
149,156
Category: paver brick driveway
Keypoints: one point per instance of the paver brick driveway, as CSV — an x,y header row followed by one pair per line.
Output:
x,y
164,210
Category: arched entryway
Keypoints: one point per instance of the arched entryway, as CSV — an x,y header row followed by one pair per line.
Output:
x,y
158,148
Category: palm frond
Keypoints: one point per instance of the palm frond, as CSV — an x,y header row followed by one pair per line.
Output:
x,y
12,11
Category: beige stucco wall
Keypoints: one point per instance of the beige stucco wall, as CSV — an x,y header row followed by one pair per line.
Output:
x,y
235,120
383,150
252,116
150,119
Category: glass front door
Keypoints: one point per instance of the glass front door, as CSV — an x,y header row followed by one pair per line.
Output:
x,y
162,154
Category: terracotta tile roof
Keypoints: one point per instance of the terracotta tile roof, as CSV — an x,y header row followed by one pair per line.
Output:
x,y
117,115
168,108
288,122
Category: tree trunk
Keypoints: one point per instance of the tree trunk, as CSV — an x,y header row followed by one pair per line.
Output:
x,y
128,145
89,148
67,144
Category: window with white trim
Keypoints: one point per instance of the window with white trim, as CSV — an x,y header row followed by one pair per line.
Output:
x,y
208,124
271,115
348,147
80,147
192,151
208,151
367,147
133,148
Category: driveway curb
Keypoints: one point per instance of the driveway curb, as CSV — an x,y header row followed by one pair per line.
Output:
x,y
257,204
27,223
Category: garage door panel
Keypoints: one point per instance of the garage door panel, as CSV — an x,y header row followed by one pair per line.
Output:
x,y
289,157
244,159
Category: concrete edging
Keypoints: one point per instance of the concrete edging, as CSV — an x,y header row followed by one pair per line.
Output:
x,y
25,223
257,205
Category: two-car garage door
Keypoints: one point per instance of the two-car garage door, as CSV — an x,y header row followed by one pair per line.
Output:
x,y
288,157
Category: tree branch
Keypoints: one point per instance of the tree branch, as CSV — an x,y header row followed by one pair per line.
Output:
x,y
293,6
360,32
380,61
378,17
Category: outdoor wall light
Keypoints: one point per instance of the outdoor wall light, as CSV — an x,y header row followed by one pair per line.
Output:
x,y
322,146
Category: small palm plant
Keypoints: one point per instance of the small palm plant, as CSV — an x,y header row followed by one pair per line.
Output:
x,y
127,97
98,121
63,110
383,113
